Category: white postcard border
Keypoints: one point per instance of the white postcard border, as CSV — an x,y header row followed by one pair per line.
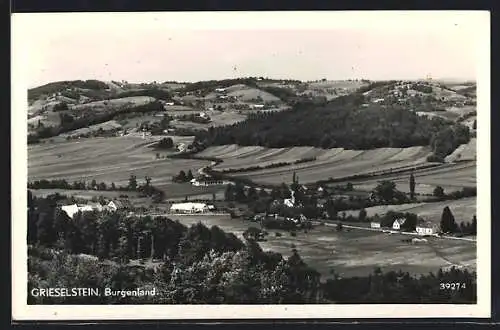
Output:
x,y
21,57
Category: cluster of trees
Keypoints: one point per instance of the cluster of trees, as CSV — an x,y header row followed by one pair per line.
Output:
x,y
182,177
386,193
76,185
441,195
340,123
448,224
401,287
54,87
165,143
447,139
201,266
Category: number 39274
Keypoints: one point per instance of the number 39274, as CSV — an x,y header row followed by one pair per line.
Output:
x,y
451,286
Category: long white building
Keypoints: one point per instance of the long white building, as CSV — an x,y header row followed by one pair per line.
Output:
x,y
73,209
190,207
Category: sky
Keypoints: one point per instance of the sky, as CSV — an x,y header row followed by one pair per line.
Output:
x,y
146,47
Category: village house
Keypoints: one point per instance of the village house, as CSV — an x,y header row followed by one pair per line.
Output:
x,y
115,205
396,225
427,228
375,224
258,106
190,207
169,103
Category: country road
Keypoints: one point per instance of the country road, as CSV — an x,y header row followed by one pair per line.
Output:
x,y
391,231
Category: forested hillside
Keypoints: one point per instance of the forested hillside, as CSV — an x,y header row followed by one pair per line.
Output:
x,y
343,122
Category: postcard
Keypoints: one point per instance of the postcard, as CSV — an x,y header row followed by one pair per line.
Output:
x,y
250,165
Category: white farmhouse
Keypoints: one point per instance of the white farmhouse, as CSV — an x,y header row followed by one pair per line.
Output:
x,y
118,205
375,224
396,225
207,182
70,210
73,209
427,228
190,208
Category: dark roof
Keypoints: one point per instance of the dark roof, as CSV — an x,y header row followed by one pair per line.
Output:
x,y
427,224
400,220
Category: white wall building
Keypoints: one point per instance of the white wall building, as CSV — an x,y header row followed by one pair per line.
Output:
x,y
375,224
73,209
398,223
118,204
190,207
427,228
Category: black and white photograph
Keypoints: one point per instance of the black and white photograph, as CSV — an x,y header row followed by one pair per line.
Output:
x,y
251,165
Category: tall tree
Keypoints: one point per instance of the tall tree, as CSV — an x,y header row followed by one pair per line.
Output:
x,y
412,186
182,176
386,191
474,225
362,215
132,182
229,193
448,224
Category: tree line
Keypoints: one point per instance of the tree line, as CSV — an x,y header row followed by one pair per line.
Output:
x,y
272,165
146,188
